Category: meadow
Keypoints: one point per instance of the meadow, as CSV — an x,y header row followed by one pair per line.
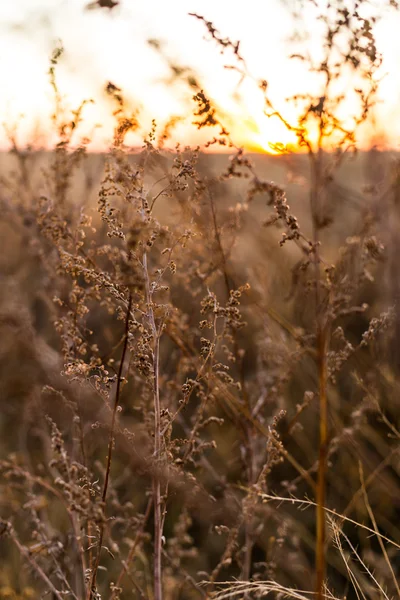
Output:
x,y
237,377
199,355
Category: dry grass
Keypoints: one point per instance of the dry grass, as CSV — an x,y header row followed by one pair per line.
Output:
x,y
194,349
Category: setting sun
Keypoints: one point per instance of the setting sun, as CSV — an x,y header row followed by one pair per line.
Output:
x,y
268,135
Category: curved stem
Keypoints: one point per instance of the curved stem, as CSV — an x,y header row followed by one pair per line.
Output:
x,y
92,589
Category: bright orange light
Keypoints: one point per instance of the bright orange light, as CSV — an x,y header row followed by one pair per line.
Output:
x,y
265,134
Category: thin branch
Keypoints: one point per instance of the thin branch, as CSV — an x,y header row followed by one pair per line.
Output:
x,y
92,589
126,563
374,523
25,553
157,439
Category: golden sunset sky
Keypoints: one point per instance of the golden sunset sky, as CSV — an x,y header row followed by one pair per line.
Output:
x,y
102,45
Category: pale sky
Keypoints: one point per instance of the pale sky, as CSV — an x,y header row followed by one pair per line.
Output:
x,y
102,46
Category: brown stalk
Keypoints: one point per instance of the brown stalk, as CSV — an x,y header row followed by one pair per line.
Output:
x,y
322,347
157,500
320,558
26,554
92,589
249,541
375,525
131,554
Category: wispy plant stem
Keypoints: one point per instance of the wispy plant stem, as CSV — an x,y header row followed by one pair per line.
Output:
x,y
322,348
320,560
35,566
126,563
158,520
92,589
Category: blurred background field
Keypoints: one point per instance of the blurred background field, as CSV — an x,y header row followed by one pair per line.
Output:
x,y
364,410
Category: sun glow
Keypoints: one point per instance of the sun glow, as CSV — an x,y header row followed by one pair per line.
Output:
x,y
269,135
148,79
